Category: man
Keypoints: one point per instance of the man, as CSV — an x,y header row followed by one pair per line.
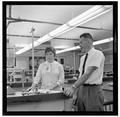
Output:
x,y
88,85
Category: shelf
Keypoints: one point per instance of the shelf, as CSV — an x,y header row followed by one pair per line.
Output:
x,y
108,63
108,50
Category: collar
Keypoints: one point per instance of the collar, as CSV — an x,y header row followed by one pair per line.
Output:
x,y
91,50
49,62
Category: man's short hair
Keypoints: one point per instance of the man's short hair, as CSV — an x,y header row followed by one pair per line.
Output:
x,y
87,35
50,49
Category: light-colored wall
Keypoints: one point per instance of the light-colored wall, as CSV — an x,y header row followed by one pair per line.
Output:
x,y
108,62
70,59
22,62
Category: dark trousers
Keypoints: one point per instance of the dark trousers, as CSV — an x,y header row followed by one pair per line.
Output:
x,y
90,98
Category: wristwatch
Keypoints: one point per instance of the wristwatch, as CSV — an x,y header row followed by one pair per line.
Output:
x,y
73,86
58,83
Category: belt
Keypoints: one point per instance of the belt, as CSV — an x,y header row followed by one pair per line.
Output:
x,y
91,84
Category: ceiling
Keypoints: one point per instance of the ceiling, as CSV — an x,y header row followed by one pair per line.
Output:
x,y
50,17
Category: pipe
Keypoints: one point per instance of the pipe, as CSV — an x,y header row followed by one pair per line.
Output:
x,y
32,31
35,21
26,20
74,61
23,78
39,37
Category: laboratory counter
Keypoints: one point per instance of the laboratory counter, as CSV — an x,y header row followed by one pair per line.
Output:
x,y
46,100
68,81
43,100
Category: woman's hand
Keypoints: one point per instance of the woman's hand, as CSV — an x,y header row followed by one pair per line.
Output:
x,y
54,86
33,87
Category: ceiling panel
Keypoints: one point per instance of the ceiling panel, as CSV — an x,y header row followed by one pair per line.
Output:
x,y
53,13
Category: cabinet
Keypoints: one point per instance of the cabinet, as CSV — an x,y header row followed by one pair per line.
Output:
x,y
15,75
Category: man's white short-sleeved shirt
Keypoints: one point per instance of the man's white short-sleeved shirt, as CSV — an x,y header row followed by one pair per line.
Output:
x,y
95,58
49,74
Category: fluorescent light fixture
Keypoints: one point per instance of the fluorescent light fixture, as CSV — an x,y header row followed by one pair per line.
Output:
x,y
24,49
102,41
59,30
89,15
77,47
61,47
95,16
79,20
44,39
36,43
68,49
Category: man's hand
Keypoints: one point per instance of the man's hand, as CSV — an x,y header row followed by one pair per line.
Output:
x,y
69,91
74,99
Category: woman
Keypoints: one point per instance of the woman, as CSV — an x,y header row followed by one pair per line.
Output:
x,y
50,73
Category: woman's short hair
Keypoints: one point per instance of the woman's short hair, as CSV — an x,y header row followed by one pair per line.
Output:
x,y
87,35
50,49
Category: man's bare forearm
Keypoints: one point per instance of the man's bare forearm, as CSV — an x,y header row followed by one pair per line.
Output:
x,y
84,77
81,80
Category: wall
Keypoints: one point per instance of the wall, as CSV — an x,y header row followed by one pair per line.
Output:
x,y
108,62
22,62
106,48
70,59
108,52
